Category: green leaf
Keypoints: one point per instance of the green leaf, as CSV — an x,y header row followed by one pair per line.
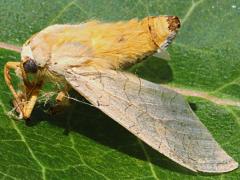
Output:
x,y
82,142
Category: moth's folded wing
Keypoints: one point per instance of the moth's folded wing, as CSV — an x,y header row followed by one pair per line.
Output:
x,y
163,55
157,115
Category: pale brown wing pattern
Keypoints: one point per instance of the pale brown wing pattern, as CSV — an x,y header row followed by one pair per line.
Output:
x,y
157,115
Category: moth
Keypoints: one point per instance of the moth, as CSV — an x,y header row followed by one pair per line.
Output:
x,y
88,57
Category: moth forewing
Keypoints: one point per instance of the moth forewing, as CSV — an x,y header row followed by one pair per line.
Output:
x,y
158,116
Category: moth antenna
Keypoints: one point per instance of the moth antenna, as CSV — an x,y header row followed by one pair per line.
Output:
x,y
77,100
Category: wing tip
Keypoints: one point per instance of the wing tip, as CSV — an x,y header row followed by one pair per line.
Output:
x,y
220,168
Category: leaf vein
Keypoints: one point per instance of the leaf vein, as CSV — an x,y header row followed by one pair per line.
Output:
x,y
237,120
148,159
10,47
234,81
22,138
81,9
82,160
78,153
62,11
205,95
190,10
7,175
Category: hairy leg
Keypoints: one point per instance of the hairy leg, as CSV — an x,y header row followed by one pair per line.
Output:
x,y
29,105
62,101
23,106
8,66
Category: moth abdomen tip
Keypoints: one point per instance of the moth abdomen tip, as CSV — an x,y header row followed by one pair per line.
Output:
x,y
174,23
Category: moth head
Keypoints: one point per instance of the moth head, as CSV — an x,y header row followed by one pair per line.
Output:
x,y
30,66
30,71
28,63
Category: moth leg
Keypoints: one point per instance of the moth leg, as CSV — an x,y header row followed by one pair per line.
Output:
x,y
23,106
61,101
8,66
63,94
61,97
29,105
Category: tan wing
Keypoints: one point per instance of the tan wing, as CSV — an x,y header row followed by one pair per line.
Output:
x,y
158,116
163,55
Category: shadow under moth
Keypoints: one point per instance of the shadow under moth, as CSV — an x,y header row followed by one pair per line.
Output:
x,y
88,57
